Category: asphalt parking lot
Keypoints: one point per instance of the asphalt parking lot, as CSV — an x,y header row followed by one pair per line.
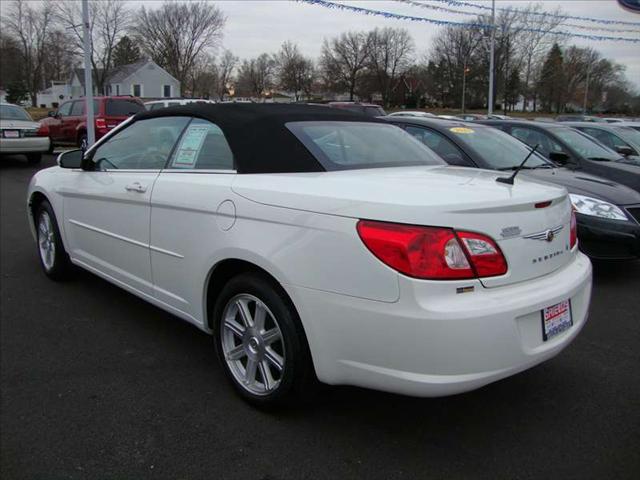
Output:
x,y
96,383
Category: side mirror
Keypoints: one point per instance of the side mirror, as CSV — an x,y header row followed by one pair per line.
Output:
x,y
51,113
623,150
71,159
559,157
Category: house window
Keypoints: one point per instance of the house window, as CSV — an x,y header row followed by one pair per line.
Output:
x,y
137,90
166,90
117,89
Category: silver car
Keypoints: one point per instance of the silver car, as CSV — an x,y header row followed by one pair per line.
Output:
x,y
19,134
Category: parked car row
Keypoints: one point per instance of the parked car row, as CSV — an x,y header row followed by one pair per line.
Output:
x,y
608,211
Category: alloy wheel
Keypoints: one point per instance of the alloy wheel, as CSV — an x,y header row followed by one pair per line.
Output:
x,y
252,344
46,241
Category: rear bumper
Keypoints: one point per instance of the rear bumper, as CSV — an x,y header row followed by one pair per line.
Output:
x,y
24,145
608,239
434,341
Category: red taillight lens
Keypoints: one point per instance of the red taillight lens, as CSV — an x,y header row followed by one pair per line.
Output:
x,y
432,252
101,123
485,255
43,130
573,233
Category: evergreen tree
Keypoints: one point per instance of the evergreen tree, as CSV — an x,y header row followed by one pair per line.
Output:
x,y
125,52
552,82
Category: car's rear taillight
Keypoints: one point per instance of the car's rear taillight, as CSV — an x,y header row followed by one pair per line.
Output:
x,y
43,130
573,232
485,255
432,252
101,123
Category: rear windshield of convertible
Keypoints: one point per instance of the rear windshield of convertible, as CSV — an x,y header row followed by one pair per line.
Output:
x,y
356,145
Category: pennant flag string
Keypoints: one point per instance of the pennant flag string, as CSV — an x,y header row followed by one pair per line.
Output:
x,y
426,6
397,16
459,3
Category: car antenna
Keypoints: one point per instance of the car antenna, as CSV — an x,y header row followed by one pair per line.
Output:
x,y
509,180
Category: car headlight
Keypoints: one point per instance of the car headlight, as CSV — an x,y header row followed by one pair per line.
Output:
x,y
597,208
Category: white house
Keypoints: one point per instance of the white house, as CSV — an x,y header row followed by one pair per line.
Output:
x,y
144,79
57,93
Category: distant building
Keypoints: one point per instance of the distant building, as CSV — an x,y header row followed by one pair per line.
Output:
x,y
51,97
144,79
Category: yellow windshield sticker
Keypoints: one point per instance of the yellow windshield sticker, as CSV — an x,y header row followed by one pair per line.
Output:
x,y
461,130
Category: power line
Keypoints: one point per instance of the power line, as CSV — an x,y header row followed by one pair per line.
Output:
x,y
397,16
458,3
426,6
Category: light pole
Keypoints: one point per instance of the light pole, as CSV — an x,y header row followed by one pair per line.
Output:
x,y
586,90
88,77
465,70
492,54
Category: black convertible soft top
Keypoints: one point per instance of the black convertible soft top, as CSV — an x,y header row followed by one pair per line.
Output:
x,y
257,133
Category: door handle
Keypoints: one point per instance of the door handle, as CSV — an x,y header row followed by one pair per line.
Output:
x,y
135,187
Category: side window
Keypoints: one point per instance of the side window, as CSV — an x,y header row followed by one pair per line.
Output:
x,y
531,137
77,108
65,109
145,145
605,138
203,146
439,144
156,106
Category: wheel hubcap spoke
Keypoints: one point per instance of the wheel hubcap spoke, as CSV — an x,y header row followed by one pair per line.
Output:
x,y
46,240
252,344
235,327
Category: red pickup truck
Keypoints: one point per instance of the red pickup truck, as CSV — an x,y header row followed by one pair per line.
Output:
x,y
68,124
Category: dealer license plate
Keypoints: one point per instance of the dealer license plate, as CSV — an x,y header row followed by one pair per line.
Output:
x,y
556,319
11,134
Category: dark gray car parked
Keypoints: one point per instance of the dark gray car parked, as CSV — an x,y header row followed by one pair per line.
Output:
x,y
607,212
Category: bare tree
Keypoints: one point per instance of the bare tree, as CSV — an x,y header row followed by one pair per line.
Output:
x,y
454,51
61,56
255,76
202,79
176,34
535,43
108,21
10,60
390,55
224,72
344,60
30,25
295,71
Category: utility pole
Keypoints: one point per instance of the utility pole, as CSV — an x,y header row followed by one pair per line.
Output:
x,y
586,90
88,77
491,55
465,70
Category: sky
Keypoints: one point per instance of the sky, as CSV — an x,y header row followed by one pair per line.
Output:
x,y
257,26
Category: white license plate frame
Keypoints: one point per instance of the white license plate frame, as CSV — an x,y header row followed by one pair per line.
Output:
x,y
556,319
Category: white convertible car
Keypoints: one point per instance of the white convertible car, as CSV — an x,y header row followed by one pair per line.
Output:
x,y
314,243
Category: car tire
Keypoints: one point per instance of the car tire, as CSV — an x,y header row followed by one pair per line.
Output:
x,y
51,147
82,141
34,158
51,252
251,353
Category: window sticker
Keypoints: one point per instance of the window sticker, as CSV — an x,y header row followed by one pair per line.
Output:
x,y
190,146
461,130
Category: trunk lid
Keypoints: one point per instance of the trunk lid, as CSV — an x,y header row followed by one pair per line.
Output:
x,y
461,198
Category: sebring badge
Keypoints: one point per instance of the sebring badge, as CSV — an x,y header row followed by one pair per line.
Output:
x,y
547,235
